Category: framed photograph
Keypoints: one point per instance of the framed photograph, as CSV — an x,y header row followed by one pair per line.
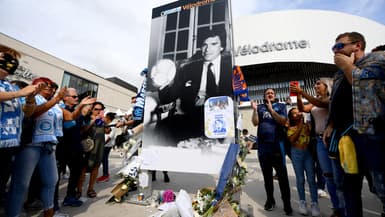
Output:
x,y
190,60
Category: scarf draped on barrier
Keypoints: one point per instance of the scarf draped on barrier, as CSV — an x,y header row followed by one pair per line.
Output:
x,y
239,84
137,113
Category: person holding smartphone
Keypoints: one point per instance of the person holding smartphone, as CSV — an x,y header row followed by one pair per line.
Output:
x,y
318,106
271,117
109,136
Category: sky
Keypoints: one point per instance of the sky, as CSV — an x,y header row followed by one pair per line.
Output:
x,y
111,38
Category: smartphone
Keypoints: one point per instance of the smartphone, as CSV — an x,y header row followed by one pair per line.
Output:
x,y
293,83
111,125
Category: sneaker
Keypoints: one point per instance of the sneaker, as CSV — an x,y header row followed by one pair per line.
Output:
x,y
302,209
287,208
269,205
103,178
315,209
322,193
337,213
72,201
59,214
288,211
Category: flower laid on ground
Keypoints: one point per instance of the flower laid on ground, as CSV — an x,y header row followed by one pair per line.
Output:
x,y
205,203
168,196
204,200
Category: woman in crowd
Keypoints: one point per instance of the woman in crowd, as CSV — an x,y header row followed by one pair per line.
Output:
x,y
48,120
13,107
93,127
298,134
319,108
110,136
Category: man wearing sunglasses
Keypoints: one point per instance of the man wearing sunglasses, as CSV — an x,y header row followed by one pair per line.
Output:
x,y
69,152
358,100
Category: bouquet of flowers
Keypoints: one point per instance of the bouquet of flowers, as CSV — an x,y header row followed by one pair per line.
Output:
x,y
205,203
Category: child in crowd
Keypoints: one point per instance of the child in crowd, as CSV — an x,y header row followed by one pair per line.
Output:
x,y
299,136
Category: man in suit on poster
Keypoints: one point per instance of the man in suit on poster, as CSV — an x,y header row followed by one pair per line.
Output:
x,y
202,77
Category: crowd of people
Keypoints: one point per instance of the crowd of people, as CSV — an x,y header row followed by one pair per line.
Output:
x,y
52,130
46,127
353,105
43,131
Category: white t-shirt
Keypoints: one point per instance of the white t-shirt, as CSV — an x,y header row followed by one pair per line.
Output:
x,y
112,136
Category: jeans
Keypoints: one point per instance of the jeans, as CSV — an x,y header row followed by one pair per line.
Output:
x,y
338,176
268,161
352,193
106,154
303,162
6,155
320,179
75,164
370,151
379,186
25,162
326,166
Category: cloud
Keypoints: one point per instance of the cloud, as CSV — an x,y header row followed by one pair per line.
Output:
x,y
107,38
111,38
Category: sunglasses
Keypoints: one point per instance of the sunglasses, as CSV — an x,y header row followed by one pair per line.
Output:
x,y
97,109
48,88
8,63
74,96
341,45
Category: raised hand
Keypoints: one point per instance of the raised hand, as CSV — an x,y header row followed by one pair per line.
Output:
x,y
254,104
29,90
268,104
62,92
295,89
88,100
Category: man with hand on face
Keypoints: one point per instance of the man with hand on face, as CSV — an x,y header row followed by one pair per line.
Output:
x,y
270,117
358,100
204,76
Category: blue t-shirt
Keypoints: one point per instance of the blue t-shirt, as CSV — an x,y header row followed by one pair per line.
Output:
x,y
270,133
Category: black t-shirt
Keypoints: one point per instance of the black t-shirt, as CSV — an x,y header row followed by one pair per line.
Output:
x,y
341,103
71,133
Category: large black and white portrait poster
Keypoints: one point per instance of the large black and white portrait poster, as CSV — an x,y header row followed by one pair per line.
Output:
x,y
190,60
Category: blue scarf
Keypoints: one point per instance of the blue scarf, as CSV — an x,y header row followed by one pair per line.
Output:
x,y
11,116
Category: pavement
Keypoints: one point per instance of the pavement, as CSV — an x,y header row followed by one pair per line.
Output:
x,y
252,196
